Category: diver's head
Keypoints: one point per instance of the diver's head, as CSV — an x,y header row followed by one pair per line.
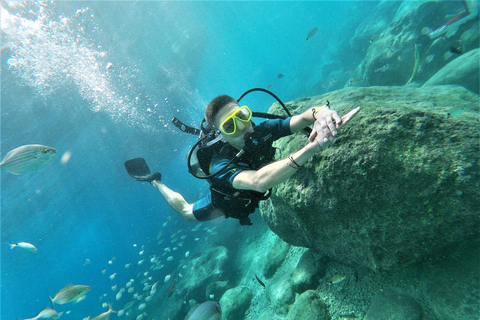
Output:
x,y
233,121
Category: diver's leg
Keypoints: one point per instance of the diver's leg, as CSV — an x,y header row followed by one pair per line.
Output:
x,y
175,200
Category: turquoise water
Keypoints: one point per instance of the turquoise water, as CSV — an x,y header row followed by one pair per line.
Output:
x,y
101,81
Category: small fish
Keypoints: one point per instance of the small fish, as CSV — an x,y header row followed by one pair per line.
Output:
x,y
311,33
27,158
87,262
46,313
347,316
325,84
167,278
128,305
24,245
270,85
209,310
353,80
260,281
113,276
187,254
105,315
457,50
447,55
426,31
279,76
69,293
337,279
455,111
373,39
382,69
171,289
430,58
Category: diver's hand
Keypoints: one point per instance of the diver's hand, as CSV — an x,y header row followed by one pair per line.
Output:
x,y
324,129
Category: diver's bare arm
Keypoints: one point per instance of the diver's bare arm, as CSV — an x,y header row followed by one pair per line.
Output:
x,y
275,173
301,121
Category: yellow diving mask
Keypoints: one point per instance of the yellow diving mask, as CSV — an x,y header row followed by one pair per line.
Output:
x,y
229,125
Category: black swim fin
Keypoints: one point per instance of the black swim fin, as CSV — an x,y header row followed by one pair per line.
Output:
x,y
138,169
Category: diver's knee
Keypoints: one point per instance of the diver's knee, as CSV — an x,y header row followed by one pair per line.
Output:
x,y
187,213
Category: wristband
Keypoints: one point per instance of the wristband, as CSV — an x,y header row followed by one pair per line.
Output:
x,y
315,111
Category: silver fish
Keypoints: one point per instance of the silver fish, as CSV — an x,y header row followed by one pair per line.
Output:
x,y
24,245
312,33
209,310
27,158
70,293
46,313
105,315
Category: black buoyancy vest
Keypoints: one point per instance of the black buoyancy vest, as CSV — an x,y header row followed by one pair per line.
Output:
x,y
236,203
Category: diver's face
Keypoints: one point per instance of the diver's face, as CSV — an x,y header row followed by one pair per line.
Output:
x,y
242,128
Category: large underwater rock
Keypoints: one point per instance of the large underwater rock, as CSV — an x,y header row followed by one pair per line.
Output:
x,y
235,302
462,71
392,305
309,306
403,51
400,183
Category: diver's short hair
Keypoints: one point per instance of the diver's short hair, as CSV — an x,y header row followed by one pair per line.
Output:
x,y
215,105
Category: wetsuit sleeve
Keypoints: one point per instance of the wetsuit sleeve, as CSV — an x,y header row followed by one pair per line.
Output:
x,y
228,174
278,127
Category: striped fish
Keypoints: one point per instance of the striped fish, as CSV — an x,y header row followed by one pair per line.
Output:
x,y
27,158
209,310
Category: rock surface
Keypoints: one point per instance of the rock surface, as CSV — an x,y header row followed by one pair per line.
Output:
x,y
235,302
462,71
399,184
308,271
275,257
392,305
308,306
280,293
401,49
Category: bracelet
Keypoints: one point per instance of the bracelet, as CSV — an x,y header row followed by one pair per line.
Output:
x,y
315,111
290,157
288,164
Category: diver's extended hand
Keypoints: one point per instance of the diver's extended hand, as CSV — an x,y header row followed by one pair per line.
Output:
x,y
324,129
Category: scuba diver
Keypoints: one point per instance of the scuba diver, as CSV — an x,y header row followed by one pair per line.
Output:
x,y
237,158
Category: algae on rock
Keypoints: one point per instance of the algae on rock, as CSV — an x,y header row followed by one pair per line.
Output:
x,y
399,184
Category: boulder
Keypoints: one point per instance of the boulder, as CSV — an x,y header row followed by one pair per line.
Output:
x,y
201,270
275,257
235,302
451,283
308,271
392,305
280,293
399,184
309,306
216,289
463,71
406,49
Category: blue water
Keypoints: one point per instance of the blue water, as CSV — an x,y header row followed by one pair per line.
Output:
x,y
167,59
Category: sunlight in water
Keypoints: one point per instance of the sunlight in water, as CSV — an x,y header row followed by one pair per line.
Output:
x,y
51,54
